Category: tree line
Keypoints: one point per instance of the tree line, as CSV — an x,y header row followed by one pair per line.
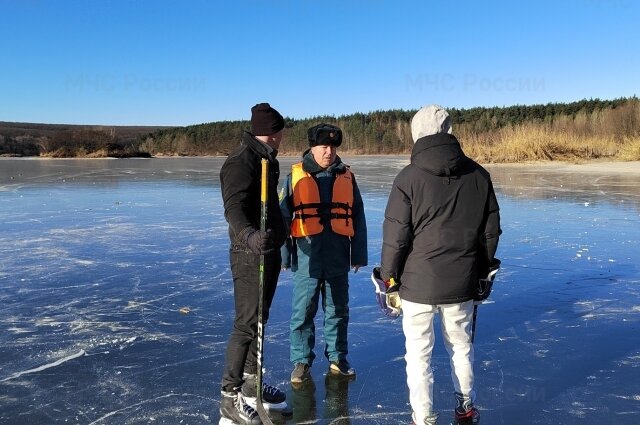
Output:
x,y
389,132
378,132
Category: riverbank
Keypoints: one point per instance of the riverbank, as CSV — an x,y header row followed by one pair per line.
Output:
x,y
593,166
583,166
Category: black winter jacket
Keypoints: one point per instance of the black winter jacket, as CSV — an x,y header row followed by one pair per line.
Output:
x,y
240,184
441,225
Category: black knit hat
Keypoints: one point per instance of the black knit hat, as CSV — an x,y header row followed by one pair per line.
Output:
x,y
265,120
324,134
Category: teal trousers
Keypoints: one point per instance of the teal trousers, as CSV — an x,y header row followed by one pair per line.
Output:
x,y
334,295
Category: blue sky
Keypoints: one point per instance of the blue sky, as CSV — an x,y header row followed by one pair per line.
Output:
x,y
165,62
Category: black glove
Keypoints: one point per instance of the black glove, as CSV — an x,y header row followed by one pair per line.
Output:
x,y
388,298
260,242
485,284
494,265
386,277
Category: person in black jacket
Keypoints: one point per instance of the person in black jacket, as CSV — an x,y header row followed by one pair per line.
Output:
x,y
440,234
240,178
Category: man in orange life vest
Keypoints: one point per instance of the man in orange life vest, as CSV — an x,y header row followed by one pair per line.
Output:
x,y
322,208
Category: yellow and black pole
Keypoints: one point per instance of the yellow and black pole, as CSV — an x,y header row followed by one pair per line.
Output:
x,y
264,416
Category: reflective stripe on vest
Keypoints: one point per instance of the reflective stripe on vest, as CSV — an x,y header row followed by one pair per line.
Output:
x,y
308,211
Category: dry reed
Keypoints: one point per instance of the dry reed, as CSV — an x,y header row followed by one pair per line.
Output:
x,y
611,133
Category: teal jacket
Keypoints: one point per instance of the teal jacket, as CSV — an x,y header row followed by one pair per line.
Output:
x,y
326,254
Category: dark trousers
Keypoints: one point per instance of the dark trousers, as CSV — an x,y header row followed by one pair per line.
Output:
x,y
242,347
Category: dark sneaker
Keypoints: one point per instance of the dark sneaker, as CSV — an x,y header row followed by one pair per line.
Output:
x,y
342,367
300,373
270,394
465,413
234,408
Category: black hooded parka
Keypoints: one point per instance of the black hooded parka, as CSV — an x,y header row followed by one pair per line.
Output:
x,y
441,225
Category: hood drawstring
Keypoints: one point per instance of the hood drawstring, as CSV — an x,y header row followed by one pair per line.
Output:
x,y
447,179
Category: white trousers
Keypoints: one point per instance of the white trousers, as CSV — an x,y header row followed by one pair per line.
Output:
x,y
417,324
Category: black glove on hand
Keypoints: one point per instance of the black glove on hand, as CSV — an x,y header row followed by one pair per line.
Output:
x,y
260,242
386,277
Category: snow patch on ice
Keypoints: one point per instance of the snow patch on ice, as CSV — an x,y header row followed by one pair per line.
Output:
x,y
47,321
17,330
85,262
506,338
635,397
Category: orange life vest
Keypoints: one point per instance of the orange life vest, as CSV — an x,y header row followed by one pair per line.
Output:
x,y
308,210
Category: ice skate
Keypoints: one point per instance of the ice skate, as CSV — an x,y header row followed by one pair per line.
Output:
x,y
273,399
234,410
465,412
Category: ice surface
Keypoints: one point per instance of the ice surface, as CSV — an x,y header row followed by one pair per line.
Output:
x,y
117,301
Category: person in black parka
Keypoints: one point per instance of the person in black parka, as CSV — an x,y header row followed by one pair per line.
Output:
x,y
240,179
440,234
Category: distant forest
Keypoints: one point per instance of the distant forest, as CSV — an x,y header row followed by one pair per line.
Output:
x,y
585,129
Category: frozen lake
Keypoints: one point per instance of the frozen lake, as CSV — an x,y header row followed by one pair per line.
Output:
x,y
98,257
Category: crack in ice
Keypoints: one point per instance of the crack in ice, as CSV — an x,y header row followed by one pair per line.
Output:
x,y
46,366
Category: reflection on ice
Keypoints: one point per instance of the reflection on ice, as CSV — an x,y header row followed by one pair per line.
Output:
x,y
99,257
